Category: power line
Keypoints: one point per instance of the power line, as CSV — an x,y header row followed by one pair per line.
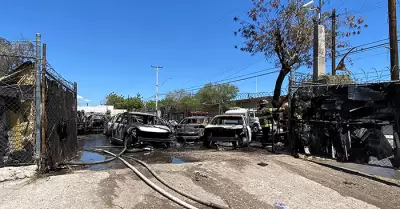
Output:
x,y
246,78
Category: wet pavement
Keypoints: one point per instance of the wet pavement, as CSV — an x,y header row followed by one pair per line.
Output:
x,y
390,173
158,156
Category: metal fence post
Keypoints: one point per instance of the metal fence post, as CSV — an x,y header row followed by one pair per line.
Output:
x,y
76,102
38,102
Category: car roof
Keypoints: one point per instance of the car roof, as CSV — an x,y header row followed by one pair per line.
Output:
x,y
196,117
229,116
139,113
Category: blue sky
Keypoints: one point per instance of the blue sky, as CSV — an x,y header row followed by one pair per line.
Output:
x,y
109,46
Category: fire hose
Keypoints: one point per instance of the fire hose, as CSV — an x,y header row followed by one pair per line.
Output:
x,y
146,180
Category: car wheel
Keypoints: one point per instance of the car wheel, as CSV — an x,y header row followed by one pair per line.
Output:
x,y
244,142
255,128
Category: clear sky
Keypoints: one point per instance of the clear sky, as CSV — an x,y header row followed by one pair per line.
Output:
x,y
109,46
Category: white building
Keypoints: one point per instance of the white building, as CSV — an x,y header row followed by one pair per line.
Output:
x,y
101,109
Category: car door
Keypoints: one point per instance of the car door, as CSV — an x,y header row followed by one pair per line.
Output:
x,y
114,127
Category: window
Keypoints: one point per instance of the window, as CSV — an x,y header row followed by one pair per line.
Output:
x,y
184,121
227,121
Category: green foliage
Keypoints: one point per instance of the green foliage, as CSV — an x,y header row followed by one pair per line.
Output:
x,y
217,94
120,102
116,100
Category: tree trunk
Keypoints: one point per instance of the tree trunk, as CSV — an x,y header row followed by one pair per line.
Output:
x,y
278,87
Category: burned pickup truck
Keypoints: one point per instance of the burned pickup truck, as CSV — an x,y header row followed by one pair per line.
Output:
x,y
191,129
138,128
228,128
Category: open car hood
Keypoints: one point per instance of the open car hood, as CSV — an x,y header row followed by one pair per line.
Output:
x,y
225,126
154,128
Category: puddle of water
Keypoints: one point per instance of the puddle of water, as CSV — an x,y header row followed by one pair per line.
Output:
x,y
91,157
175,160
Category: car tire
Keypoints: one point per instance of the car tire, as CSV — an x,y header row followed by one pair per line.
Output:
x,y
255,128
244,141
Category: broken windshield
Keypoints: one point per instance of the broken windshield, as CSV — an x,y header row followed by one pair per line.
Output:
x,y
227,121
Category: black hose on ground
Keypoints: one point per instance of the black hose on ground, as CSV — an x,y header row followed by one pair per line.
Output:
x,y
209,204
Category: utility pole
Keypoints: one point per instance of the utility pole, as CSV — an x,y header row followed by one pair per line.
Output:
x,y
157,67
394,53
333,41
319,46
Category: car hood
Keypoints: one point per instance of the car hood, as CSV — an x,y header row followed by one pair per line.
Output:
x,y
154,128
225,126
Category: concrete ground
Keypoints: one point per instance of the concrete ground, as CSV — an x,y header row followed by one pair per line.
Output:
x,y
239,179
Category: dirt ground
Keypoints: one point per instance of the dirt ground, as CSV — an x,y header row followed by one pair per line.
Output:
x,y
232,178
247,178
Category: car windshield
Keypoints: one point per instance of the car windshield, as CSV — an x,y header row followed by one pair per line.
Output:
x,y
148,119
227,121
193,121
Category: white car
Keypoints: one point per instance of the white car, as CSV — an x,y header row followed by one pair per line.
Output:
x,y
249,114
228,128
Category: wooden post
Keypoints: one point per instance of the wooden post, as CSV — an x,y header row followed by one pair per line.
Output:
x,y
394,53
333,41
44,97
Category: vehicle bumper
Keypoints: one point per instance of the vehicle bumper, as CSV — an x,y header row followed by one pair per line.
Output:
x,y
97,129
189,137
156,139
223,139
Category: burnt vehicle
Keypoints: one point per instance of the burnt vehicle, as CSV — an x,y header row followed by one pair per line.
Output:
x,y
138,128
95,122
81,122
228,128
191,129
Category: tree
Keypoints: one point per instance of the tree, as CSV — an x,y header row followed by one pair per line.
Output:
x,y
133,103
217,94
180,100
283,32
13,54
115,100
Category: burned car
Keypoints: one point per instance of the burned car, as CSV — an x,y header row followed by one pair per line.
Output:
x,y
138,128
81,122
95,122
228,128
191,129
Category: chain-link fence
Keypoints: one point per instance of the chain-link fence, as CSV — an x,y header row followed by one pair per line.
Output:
x,y
17,102
59,118
342,118
37,108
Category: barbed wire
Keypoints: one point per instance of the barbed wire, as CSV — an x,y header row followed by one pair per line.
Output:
x,y
50,70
